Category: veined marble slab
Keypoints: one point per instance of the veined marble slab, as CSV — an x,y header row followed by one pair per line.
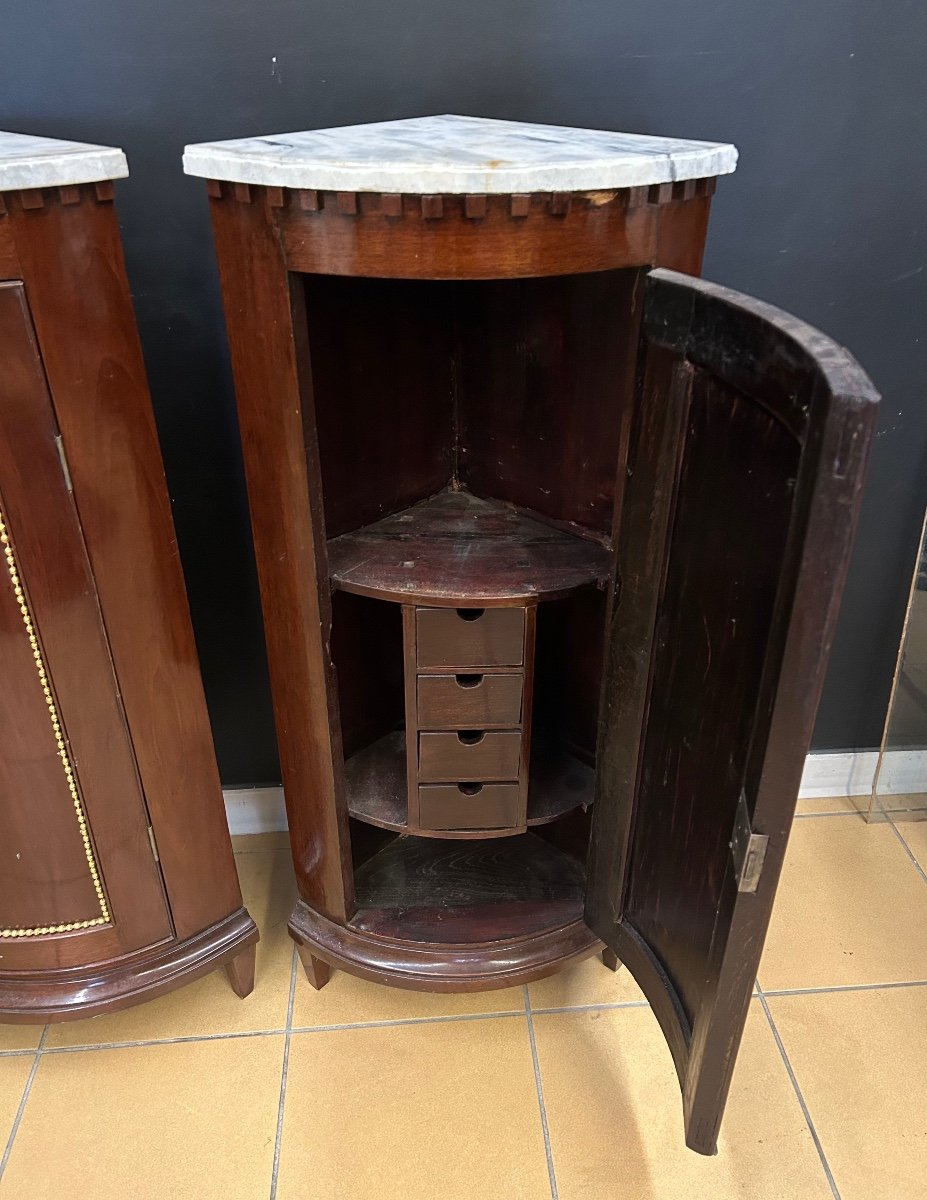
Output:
x,y
458,154
37,162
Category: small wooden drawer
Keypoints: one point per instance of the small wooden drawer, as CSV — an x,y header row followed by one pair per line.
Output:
x,y
470,637
469,701
470,806
469,756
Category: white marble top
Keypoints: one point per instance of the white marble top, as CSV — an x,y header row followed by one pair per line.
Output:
x,y
458,154
38,162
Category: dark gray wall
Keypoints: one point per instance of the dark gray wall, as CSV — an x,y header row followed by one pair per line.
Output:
x,y
825,216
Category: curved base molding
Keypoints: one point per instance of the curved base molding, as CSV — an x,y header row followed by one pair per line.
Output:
x,y
442,967
38,997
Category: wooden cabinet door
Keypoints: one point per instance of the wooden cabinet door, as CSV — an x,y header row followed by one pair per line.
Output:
x,y
747,456
76,860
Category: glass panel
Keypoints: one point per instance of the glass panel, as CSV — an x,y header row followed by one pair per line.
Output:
x,y
900,785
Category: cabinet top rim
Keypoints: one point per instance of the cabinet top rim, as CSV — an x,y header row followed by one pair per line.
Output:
x,y
458,154
39,162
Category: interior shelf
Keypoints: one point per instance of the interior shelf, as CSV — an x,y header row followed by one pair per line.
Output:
x,y
455,545
375,782
438,891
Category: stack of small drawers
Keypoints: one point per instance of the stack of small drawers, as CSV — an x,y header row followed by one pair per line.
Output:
x,y
468,715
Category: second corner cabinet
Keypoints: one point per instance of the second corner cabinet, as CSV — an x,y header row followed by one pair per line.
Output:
x,y
551,539
117,880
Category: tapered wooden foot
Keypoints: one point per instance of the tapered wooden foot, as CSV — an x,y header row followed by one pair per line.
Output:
x,y
241,972
318,972
611,959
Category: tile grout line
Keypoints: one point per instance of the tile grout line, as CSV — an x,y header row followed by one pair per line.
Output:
x,y
278,1137
539,1088
844,987
907,849
798,1092
22,1103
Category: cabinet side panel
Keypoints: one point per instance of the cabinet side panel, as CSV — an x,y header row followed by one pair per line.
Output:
x,y
79,296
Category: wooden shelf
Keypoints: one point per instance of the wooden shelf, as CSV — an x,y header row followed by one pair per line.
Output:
x,y
375,783
456,546
420,889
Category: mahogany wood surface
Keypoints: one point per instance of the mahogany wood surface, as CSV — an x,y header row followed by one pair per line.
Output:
x,y
482,806
456,546
78,294
395,950
277,423
752,430
45,877
240,971
71,994
513,238
91,529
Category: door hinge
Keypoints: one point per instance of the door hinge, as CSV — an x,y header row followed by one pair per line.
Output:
x,y
65,469
154,845
747,848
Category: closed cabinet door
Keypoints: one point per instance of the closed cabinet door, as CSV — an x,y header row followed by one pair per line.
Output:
x,y
748,450
79,880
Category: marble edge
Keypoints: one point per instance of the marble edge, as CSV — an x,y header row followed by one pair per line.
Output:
x,y
63,168
207,162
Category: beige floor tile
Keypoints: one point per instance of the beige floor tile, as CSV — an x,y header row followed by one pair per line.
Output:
x,y
445,1109
861,1062
589,982
13,1075
851,908
615,1116
209,1005
831,804
915,836
20,1037
347,1000
194,1119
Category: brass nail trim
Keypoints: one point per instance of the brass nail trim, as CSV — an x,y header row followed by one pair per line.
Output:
x,y
104,918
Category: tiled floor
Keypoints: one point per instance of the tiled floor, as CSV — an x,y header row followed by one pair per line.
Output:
x,y
564,1089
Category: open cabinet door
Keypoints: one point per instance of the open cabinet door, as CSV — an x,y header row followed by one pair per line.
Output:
x,y
748,450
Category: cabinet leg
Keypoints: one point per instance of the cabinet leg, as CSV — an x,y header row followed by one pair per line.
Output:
x,y
241,972
318,972
611,959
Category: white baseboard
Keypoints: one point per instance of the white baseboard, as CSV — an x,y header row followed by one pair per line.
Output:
x,y
846,773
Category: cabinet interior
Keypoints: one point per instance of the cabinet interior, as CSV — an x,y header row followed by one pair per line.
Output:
x,y
443,408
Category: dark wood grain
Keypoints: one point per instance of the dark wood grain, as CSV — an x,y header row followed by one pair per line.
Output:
x,y
456,546
545,382
78,294
383,386
525,941
438,239
90,528
276,417
751,439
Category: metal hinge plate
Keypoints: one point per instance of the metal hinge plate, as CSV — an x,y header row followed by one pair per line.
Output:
x,y
747,848
65,469
154,844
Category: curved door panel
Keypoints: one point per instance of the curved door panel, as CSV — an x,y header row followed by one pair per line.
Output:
x,y
78,879
746,464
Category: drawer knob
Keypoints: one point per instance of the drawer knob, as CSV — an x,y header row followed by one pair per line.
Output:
x,y
468,681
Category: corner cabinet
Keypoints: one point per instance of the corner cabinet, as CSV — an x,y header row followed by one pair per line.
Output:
x,y
117,880
550,543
